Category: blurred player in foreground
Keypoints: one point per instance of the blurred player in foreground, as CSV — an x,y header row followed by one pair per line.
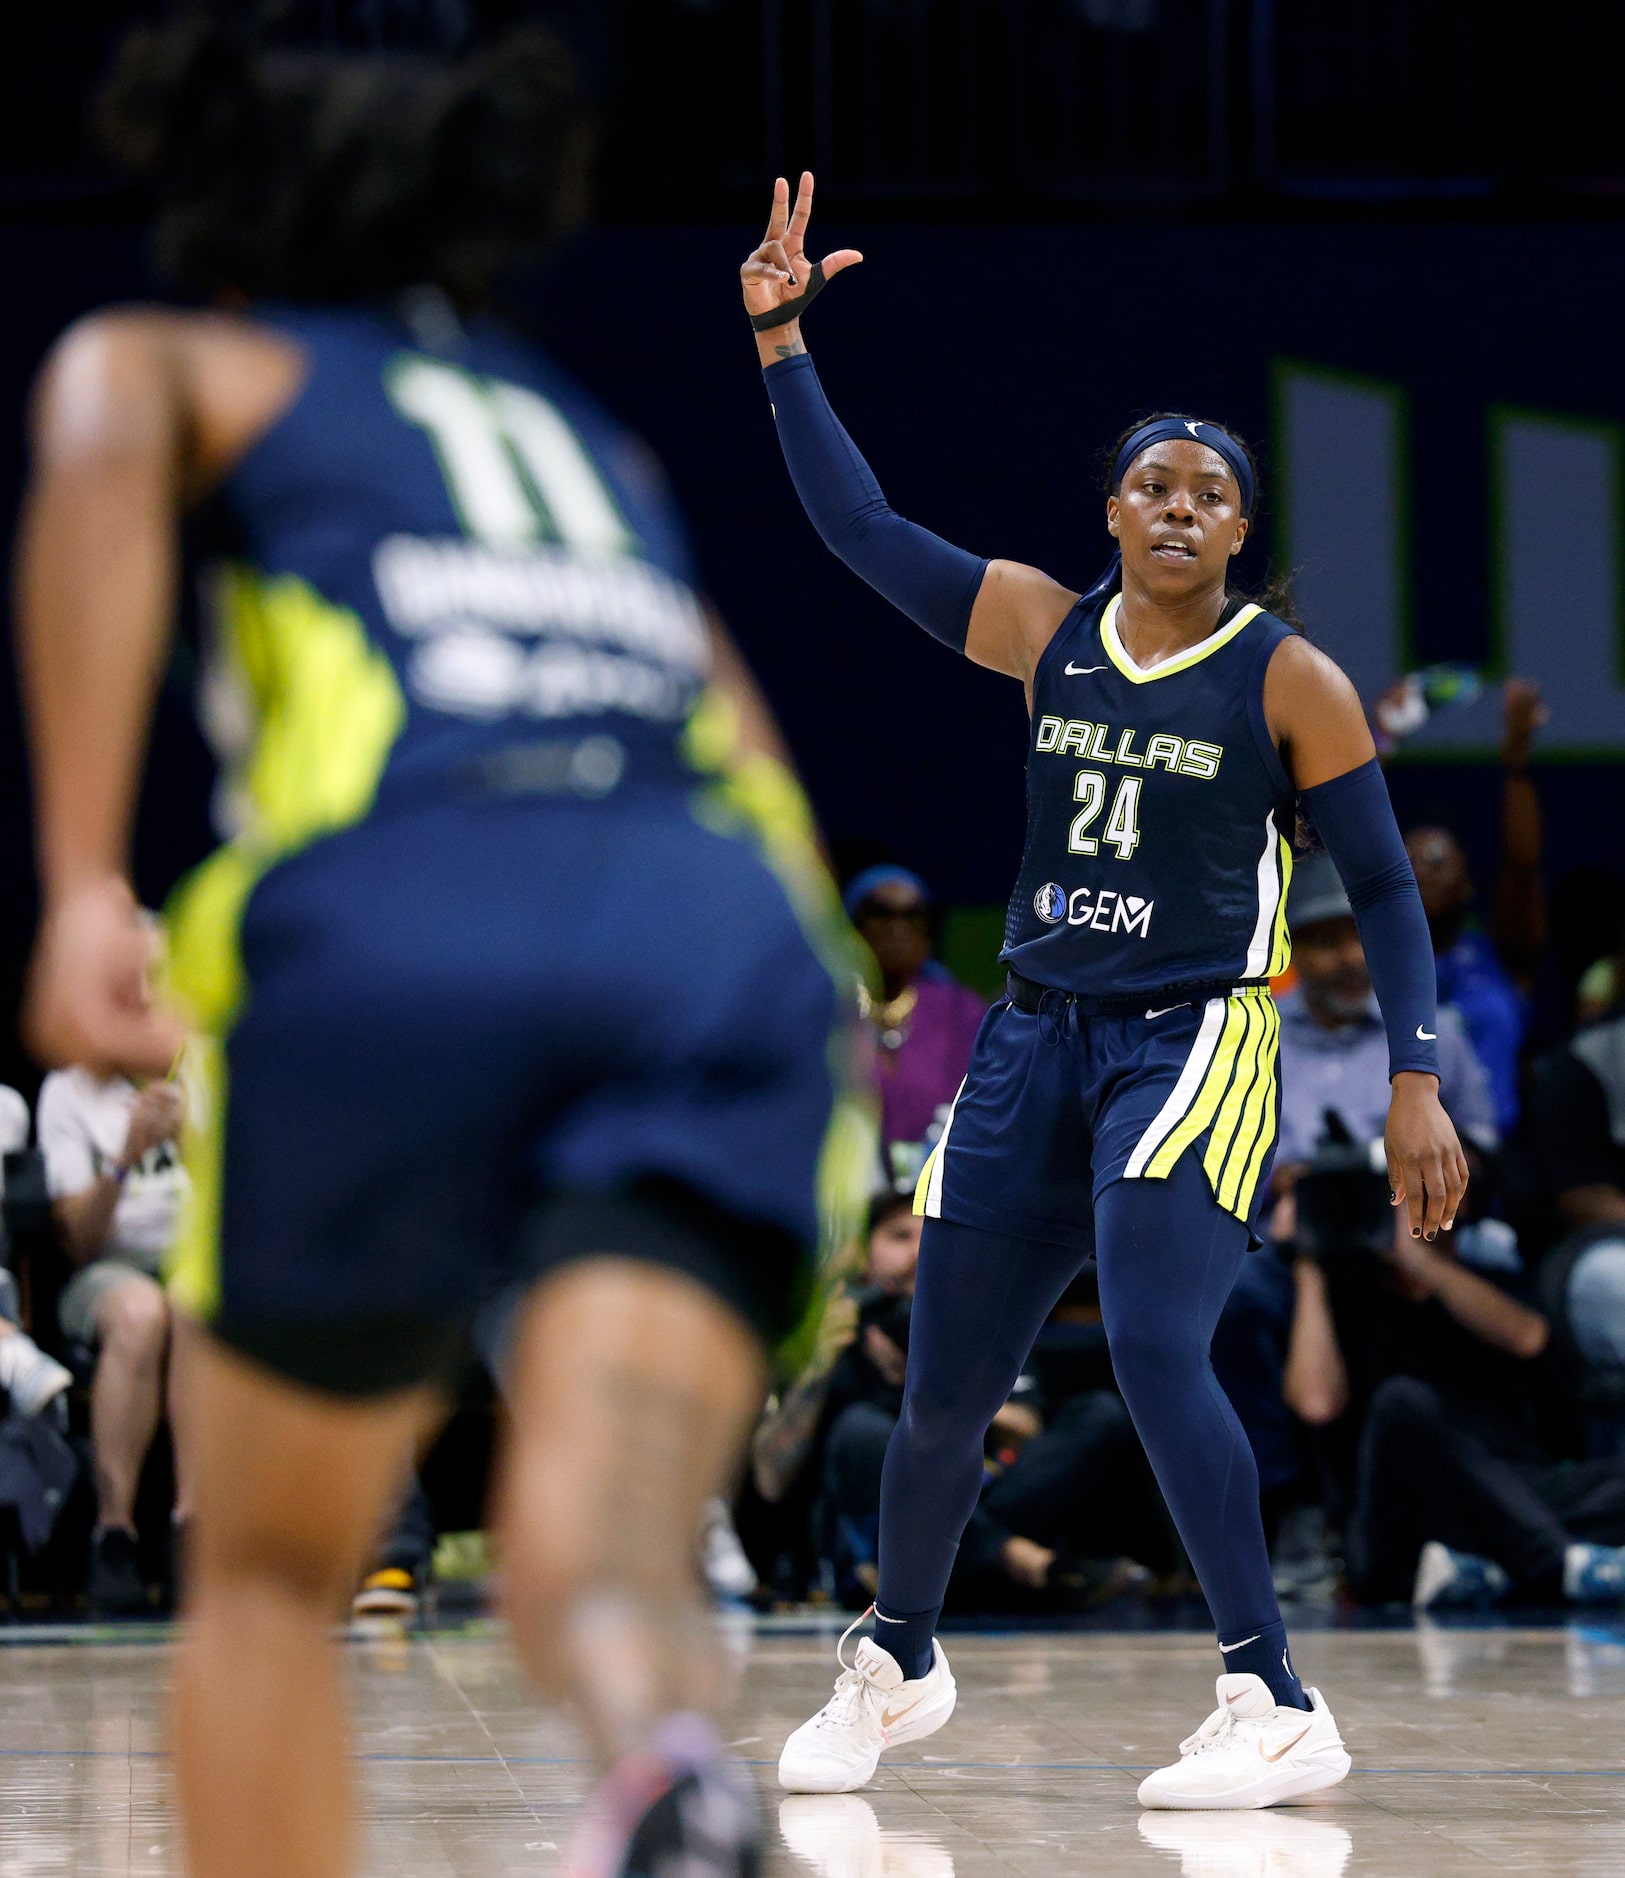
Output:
x,y
520,959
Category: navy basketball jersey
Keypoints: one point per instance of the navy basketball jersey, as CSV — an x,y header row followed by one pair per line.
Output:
x,y
1159,815
445,566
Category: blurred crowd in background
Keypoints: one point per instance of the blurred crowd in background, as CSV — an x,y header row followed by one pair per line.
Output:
x,y
1434,1424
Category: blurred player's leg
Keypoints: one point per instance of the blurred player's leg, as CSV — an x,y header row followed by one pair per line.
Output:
x,y
290,1486
634,1388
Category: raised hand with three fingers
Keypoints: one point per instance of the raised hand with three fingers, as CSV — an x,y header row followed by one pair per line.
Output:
x,y
778,279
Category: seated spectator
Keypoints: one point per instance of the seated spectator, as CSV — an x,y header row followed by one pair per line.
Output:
x,y
1486,973
31,1380
925,1021
1576,1128
1467,1483
116,1185
1334,1064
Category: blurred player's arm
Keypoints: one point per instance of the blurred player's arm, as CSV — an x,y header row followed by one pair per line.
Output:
x,y
134,415
97,565
98,555
758,732
999,613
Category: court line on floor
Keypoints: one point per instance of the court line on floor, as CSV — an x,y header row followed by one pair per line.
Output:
x,y
912,1767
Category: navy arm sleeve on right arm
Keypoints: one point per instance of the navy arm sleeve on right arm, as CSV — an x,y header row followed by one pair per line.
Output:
x,y
927,578
1355,819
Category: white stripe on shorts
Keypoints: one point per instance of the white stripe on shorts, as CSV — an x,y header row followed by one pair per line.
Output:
x,y
939,1154
1184,1091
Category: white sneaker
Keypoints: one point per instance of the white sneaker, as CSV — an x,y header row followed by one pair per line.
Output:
x,y
30,1377
872,1709
1250,1753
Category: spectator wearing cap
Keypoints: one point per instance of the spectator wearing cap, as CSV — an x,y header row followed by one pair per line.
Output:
x,y
1334,1054
925,1020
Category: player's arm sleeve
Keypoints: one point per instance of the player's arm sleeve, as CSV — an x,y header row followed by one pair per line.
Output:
x,y
927,578
1355,820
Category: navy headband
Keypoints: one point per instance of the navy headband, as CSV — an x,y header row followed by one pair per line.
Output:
x,y
1189,429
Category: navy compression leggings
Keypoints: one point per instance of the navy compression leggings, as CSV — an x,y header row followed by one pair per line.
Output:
x,y
1167,1255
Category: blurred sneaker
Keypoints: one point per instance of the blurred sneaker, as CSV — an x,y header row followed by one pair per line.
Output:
x,y
1250,1753
682,1806
728,1572
29,1377
1250,1845
872,1709
113,1585
1449,1580
391,1592
1594,1574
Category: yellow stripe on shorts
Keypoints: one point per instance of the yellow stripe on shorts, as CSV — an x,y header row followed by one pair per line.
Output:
x,y
1234,1104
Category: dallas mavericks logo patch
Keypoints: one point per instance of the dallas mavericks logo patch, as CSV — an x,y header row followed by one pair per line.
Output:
x,y
1049,903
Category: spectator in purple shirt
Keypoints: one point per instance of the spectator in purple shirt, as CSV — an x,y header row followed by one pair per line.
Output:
x,y
925,1020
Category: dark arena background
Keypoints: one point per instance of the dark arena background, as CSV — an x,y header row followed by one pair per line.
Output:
x,y
1384,242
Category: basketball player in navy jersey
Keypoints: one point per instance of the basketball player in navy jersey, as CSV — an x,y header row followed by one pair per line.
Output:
x,y
468,1012
1121,1100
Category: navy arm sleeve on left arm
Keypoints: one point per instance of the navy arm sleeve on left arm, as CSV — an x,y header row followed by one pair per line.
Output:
x,y
1355,820
922,575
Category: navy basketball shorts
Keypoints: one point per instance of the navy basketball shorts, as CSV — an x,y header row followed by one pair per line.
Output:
x,y
1056,1106
480,1039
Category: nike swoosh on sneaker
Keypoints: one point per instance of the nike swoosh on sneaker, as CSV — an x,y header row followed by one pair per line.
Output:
x,y
1279,1752
1081,671
1224,1648
890,1717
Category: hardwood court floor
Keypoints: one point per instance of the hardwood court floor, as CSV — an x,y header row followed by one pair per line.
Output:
x,y
1476,1751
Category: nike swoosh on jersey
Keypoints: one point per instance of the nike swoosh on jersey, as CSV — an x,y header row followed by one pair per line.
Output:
x,y
1148,1017
1081,671
1427,1036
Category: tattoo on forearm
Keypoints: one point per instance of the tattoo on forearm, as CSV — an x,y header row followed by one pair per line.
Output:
x,y
780,1444
790,351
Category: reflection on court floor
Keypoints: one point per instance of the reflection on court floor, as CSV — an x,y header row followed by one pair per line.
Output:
x,y
1476,1750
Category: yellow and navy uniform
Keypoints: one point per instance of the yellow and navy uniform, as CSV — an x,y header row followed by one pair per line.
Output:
x,y
505,921
1147,919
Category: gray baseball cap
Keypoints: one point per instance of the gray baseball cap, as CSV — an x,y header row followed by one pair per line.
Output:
x,y
1316,894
